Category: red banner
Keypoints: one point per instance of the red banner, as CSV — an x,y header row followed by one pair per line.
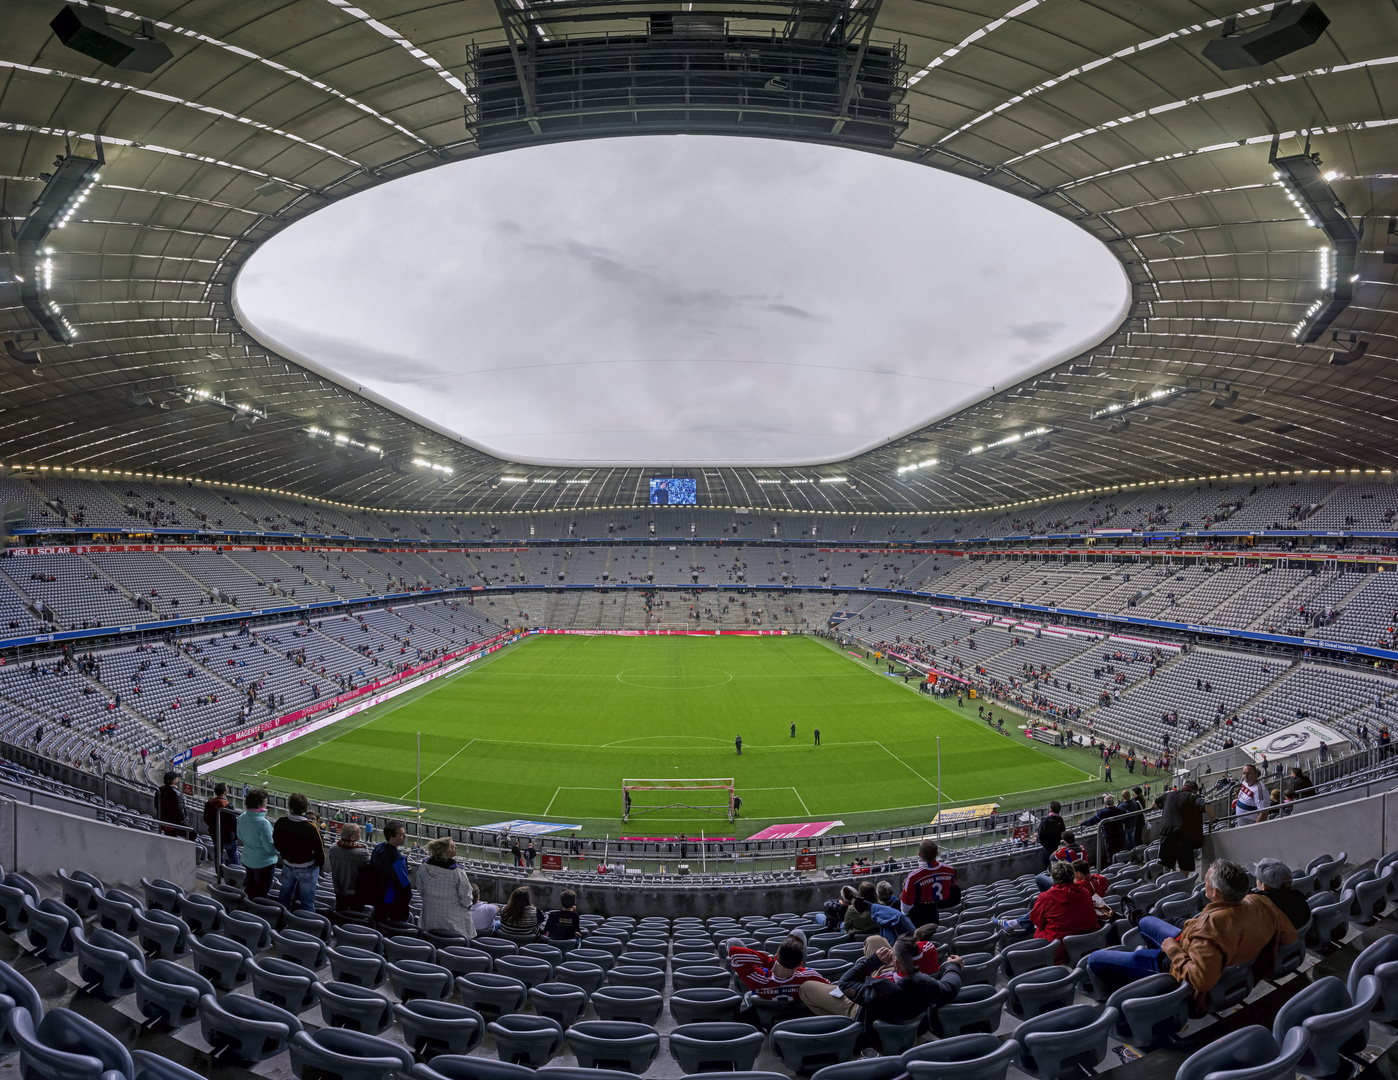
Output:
x,y
553,862
805,862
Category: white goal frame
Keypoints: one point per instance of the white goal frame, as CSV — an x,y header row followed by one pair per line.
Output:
x,y
684,784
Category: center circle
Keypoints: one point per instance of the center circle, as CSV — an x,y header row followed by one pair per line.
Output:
x,y
658,678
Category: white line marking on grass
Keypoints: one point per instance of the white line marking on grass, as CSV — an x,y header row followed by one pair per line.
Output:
x,y
435,771
552,801
910,769
801,801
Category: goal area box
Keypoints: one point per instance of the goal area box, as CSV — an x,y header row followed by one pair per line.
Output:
x,y
709,796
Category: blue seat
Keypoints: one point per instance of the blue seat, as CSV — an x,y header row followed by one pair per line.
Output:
x,y
965,1057
251,930
613,1044
558,1001
52,926
202,914
413,979
336,1054
1329,920
243,1029
66,1046
103,963
526,1040
586,976
358,1008
1336,1024
163,936
1064,1043
351,964
806,1043
310,922
460,1067
1379,960
1232,988
896,1038
1025,956
80,891
693,977
398,947
497,947
1151,1010
281,983
1327,871
461,959
162,895
299,947
18,897
168,993
439,1027
154,1067
1249,1053
710,1047
361,937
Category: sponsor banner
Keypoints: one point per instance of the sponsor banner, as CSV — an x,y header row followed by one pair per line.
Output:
x,y
552,862
1302,737
801,831
966,813
805,863
528,828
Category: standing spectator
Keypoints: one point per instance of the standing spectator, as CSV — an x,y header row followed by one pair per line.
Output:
x,y
564,924
222,824
1252,796
1130,812
520,919
886,986
1113,827
348,858
390,887
1051,830
445,889
932,884
1274,882
516,854
169,807
1385,742
485,916
1182,826
298,842
259,853
529,854
1301,783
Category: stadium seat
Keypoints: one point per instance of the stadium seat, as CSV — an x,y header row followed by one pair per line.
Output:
x,y
1151,1010
459,1067
613,1044
705,1005
250,930
200,913
335,1054
965,1057
1379,960
66,1046
361,937
461,959
1368,899
300,948
355,1007
558,1001
269,910
103,958
693,978
243,1029
1065,1042
1026,956
1291,957
162,895
874,1068
80,891
806,1043
490,994
1329,920
116,911
412,979
894,1039
18,992
221,960
497,947
634,975
281,983
526,1040
351,964
169,993
548,953
581,974
1327,871
980,968
1079,945
54,928
309,922
442,939
530,970
400,947
1250,1053
439,1027
691,957
230,897
606,943
1042,990
634,1004
715,1047
977,1009
1232,988
162,935
154,1067
1335,1023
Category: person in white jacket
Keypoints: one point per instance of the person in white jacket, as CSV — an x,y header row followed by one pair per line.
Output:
x,y
445,890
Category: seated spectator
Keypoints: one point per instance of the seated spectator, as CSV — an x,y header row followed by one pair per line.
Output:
x,y
859,920
348,858
1274,882
838,908
889,921
776,977
1235,927
928,887
1301,783
928,962
564,924
486,917
1096,884
445,889
1070,852
1062,909
520,919
885,986
390,889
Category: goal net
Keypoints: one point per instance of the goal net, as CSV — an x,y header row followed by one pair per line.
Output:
x,y
711,796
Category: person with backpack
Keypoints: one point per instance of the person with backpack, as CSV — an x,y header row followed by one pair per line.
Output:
x,y
1051,829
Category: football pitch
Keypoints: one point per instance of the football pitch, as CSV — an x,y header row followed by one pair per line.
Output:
x,y
548,729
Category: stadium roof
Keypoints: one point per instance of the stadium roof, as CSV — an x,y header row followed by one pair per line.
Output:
x,y
1104,113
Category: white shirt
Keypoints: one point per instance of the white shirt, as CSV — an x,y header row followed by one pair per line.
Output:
x,y
1252,798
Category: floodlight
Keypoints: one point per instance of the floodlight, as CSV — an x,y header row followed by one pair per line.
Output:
x,y
1291,27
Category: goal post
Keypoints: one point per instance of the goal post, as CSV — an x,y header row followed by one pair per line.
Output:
x,y
645,796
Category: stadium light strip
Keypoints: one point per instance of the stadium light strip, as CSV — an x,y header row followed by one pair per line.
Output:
x,y
423,463
927,464
1154,397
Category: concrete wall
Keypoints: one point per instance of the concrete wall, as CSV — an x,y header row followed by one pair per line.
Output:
x,y
38,840
1363,828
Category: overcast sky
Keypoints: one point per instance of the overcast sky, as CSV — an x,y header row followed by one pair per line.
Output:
x,y
687,299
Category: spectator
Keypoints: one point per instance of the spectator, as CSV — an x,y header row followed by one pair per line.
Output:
x,y
485,916
390,887
890,922
1062,909
777,977
1252,796
1112,822
886,986
932,884
1234,928
259,853
1182,826
927,962
303,854
169,807
1051,830
529,855
1301,783
348,858
445,889
519,919
859,919
1095,884
1274,882
516,853
564,924
836,909
222,824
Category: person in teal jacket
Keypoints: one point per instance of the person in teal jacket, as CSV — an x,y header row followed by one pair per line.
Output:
x,y
255,834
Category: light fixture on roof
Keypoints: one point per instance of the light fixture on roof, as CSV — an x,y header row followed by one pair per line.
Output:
x,y
1340,356
249,414
1155,397
86,30
1291,27
1172,241
442,470
271,187
926,463
21,354
1225,399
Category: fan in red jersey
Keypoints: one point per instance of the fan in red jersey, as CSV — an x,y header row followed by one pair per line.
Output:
x,y
774,978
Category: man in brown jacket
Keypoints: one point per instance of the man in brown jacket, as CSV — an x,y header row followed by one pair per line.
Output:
x,y
1234,928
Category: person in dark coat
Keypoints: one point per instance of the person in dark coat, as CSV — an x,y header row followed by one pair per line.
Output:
x,y
885,984
169,807
386,879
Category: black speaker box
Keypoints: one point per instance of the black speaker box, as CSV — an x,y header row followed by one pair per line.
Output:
x,y
87,31
1291,28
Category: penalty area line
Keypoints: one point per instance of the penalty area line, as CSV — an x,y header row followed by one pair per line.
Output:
x,y
435,771
910,769
801,801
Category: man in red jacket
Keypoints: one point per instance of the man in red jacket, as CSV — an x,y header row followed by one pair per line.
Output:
x,y
1064,908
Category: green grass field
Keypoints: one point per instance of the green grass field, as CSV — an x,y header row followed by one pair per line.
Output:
x,y
549,728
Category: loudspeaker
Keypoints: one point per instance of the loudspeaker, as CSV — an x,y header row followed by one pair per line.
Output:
x,y
87,31
1290,28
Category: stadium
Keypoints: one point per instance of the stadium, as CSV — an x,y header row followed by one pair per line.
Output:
x,y
782,537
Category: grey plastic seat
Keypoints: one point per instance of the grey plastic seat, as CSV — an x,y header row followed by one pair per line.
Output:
x,y
300,948
361,937
21,993
587,955
709,958
351,964
1291,957
1336,1023
1329,920
399,947
692,978
443,939
66,1046
251,930
243,1029
162,895
154,1067
310,922
893,1038
497,947
965,1057
875,1068
103,959
270,910
355,1007
1042,990
980,968
550,953
1249,1053
462,959
230,896
613,1044
52,926
490,994
431,1027
18,896
635,1004
770,1013
281,983
807,1043
530,970
558,1001
169,993
1327,871
526,1040
1063,1043
412,979
1177,910
1368,900
161,935
336,1054
715,1047
1079,945
652,978
643,957
1232,988
1151,1010
579,973
80,891
831,968
705,1005
459,1067
976,1010
1025,956
202,914
116,911
221,960
1379,960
